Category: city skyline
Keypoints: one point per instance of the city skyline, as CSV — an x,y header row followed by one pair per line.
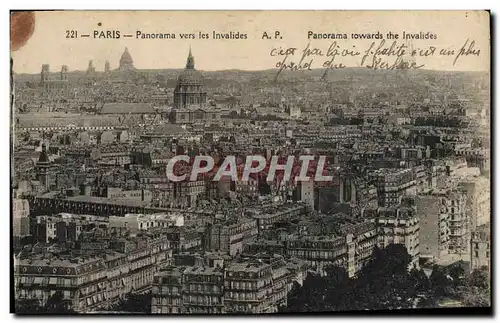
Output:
x,y
253,53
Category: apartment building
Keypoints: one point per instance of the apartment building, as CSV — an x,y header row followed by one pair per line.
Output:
x,y
397,225
393,184
480,251
100,270
252,284
230,235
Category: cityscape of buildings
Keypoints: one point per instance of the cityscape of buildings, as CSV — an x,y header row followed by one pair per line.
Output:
x,y
96,220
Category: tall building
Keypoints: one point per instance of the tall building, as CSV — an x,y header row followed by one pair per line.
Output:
x,y
43,169
393,184
45,74
91,68
94,276
434,230
397,225
306,193
126,61
321,244
444,224
107,67
460,232
80,280
478,200
179,290
20,220
231,235
347,190
408,57
257,284
481,248
64,73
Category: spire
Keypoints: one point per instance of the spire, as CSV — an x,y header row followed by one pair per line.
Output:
x,y
190,60
44,158
126,54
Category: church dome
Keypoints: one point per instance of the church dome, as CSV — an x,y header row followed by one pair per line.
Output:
x,y
189,91
126,60
190,76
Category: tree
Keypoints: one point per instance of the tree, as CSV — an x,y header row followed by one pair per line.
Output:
x,y
457,271
384,283
422,281
479,278
475,297
135,303
441,283
452,282
56,304
26,306
337,280
477,292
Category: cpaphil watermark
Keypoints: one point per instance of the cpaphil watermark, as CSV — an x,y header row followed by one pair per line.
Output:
x,y
292,168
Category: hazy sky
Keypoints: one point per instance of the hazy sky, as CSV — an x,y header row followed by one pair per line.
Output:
x,y
49,44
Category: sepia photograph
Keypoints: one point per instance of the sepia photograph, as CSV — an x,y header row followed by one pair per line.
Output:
x,y
250,162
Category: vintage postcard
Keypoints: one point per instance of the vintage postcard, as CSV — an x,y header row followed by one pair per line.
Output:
x,y
250,162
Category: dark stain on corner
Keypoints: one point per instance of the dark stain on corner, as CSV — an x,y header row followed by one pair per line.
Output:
x,y
22,26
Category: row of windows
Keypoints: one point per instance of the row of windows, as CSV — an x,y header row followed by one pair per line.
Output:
x,y
176,310
46,281
204,288
202,299
167,301
183,116
246,296
39,294
245,285
165,310
487,254
141,263
317,253
244,274
68,127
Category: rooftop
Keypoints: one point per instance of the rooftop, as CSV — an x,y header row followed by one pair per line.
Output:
x,y
168,129
127,108
203,271
246,266
104,200
39,264
171,271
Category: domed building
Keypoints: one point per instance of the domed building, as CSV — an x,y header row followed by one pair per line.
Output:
x,y
190,97
189,90
126,61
